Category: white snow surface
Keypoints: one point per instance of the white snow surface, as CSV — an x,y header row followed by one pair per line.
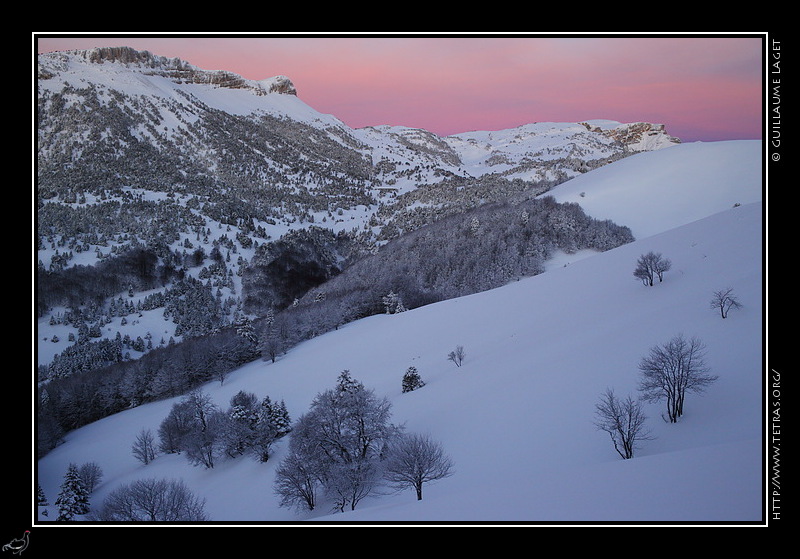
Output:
x,y
651,192
517,417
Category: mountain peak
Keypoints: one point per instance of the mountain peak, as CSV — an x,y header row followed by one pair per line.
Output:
x,y
175,69
279,84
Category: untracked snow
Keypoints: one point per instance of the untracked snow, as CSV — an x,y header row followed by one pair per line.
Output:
x,y
517,417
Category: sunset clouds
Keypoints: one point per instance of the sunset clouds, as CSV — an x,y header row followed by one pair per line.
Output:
x,y
700,88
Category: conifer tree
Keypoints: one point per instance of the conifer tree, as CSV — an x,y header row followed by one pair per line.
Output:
x,y
278,416
273,423
393,303
412,380
240,432
41,498
73,498
246,330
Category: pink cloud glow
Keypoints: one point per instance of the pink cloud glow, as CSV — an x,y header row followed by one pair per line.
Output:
x,y
700,88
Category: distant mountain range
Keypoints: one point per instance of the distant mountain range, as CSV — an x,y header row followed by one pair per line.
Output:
x,y
115,124
211,199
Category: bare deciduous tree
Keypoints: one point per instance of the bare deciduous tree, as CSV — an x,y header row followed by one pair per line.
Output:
x,y
297,481
90,473
661,265
416,459
672,370
623,420
651,265
194,426
144,447
725,300
274,339
337,447
457,356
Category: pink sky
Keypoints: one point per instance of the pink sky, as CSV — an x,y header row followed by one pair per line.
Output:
x,y
701,88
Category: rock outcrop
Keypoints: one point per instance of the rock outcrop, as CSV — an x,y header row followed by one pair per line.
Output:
x,y
637,136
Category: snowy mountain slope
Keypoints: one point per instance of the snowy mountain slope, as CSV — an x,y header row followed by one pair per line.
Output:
x,y
668,188
147,74
518,414
517,417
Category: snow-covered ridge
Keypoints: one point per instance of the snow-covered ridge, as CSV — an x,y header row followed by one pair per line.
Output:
x,y
111,59
104,65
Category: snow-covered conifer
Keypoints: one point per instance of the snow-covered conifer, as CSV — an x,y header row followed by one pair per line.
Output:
x,y
73,499
412,380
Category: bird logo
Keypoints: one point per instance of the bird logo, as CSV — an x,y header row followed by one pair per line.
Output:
x,y
18,545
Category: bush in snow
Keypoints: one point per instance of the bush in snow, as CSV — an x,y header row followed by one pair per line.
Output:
x,y
152,500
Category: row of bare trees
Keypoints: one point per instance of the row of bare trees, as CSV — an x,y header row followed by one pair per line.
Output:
x,y
653,265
